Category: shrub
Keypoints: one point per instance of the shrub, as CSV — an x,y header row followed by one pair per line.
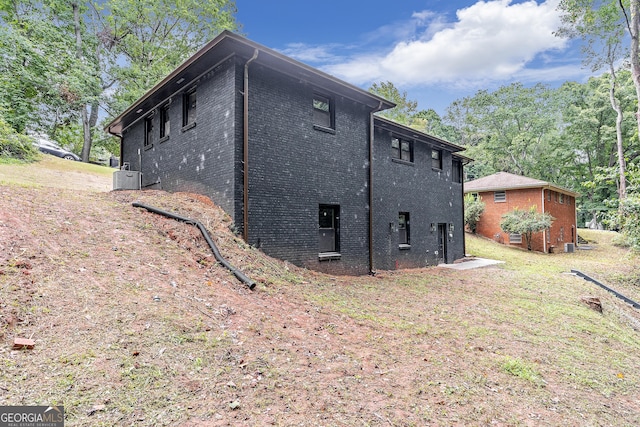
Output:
x,y
525,222
14,145
630,219
473,209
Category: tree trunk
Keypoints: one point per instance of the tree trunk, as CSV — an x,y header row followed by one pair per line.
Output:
x,y
622,189
634,54
86,127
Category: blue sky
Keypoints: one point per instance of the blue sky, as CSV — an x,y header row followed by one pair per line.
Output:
x,y
437,51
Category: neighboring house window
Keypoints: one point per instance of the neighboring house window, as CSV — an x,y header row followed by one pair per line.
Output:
x,y
404,235
329,228
148,131
562,234
436,159
402,149
548,195
456,166
189,109
515,238
499,196
164,122
561,198
322,111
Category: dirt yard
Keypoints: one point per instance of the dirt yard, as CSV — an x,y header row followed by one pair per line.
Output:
x,y
134,323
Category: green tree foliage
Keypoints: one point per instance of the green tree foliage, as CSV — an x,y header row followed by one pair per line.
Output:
x,y
512,129
14,145
628,216
150,38
62,61
607,25
430,122
42,84
525,222
473,209
404,109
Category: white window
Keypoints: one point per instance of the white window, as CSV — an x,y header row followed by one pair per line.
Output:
x,y
500,196
515,238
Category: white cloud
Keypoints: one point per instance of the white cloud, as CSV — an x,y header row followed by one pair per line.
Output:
x,y
305,53
489,41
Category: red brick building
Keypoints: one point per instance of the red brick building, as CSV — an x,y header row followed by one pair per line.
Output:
x,y
503,192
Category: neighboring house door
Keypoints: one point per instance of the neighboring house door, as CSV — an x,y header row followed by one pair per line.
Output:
x,y
442,243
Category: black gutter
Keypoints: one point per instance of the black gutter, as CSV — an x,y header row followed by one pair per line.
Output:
x,y
216,253
618,294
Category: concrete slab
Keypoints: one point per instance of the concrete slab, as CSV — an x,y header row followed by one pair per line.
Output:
x,y
474,263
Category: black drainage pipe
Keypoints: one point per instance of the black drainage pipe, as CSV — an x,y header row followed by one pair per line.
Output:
x,y
216,253
618,294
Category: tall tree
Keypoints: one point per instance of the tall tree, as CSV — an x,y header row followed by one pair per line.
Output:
x,y
603,23
98,54
42,81
150,38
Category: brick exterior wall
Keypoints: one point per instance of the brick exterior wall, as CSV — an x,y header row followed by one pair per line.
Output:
x,y
563,228
201,159
429,196
294,167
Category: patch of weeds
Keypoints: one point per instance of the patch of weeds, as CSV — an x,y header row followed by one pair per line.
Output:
x,y
522,369
77,359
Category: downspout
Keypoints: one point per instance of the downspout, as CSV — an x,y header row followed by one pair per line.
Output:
x,y
464,235
371,140
544,233
245,149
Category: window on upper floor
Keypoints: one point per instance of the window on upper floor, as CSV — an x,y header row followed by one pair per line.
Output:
x,y
148,131
436,159
323,115
561,198
456,171
189,109
548,195
499,196
404,235
164,122
402,149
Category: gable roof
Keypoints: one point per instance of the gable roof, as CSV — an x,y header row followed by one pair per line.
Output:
x,y
502,181
224,46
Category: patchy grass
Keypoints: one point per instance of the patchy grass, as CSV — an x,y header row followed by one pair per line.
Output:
x,y
51,171
136,325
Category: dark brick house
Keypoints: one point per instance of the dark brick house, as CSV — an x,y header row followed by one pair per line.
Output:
x,y
502,192
299,161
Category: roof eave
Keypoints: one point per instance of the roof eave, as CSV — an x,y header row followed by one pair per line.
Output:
x,y
414,133
376,102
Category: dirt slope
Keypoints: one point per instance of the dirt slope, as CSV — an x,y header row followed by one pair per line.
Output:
x,y
135,324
